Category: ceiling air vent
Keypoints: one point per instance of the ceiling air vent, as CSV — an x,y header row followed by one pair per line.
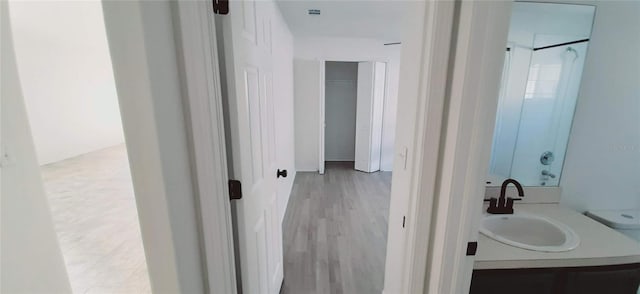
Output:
x,y
314,11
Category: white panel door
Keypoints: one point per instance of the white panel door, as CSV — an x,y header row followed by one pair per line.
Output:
x,y
248,49
369,112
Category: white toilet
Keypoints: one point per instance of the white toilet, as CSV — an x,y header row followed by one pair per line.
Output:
x,y
624,221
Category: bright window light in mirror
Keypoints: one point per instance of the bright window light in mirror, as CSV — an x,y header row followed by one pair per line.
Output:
x,y
543,81
547,46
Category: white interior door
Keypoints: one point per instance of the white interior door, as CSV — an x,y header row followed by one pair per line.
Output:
x,y
248,55
369,111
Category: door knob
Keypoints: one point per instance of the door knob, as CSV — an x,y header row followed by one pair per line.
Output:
x,y
281,173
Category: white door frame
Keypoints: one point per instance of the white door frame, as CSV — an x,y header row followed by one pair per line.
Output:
x,y
203,97
322,103
451,141
176,205
482,29
455,99
421,99
322,125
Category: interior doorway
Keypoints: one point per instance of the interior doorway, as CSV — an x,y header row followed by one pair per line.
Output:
x,y
66,77
354,102
341,80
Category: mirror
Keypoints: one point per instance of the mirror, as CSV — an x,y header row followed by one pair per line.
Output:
x,y
544,58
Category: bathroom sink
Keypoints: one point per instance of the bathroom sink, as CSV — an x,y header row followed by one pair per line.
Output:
x,y
528,231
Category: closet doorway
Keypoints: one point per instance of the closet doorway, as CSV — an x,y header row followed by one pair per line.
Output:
x,y
351,132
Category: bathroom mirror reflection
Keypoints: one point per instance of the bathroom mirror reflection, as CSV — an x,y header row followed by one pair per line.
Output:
x,y
544,58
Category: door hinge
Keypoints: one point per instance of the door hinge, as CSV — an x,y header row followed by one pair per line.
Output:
x,y
235,190
220,6
404,218
472,248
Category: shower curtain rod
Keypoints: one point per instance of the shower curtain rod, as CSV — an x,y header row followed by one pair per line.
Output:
x,y
561,44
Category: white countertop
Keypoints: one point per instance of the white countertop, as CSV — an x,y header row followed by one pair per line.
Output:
x,y
599,244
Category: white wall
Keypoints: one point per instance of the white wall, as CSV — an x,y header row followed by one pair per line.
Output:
x,y
306,115
31,258
603,158
340,110
284,106
67,78
343,49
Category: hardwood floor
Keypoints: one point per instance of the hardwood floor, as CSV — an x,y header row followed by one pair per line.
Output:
x,y
335,231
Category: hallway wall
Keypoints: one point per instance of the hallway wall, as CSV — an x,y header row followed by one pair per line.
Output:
x,y
284,106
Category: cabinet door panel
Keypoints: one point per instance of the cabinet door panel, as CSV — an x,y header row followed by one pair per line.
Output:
x,y
614,281
509,282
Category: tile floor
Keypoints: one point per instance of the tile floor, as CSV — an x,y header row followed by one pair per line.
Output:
x,y
94,212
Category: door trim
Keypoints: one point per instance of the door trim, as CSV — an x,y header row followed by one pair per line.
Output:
x,y
147,79
196,30
322,103
479,39
322,122
449,152
438,22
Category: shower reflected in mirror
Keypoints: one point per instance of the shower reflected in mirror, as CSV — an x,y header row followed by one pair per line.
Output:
x,y
543,65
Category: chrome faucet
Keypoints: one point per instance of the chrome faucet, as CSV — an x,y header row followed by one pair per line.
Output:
x,y
504,205
548,174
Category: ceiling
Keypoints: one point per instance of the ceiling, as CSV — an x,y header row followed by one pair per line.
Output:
x,y
347,18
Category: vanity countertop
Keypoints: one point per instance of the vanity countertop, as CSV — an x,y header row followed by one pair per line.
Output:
x,y
599,245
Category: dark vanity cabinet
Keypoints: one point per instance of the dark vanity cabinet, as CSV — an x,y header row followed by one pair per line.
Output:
x,y
610,281
530,281
615,279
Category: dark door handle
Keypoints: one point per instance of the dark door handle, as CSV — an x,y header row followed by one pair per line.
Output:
x,y
281,173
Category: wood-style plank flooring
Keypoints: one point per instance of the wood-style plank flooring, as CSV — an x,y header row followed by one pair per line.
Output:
x,y
335,231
